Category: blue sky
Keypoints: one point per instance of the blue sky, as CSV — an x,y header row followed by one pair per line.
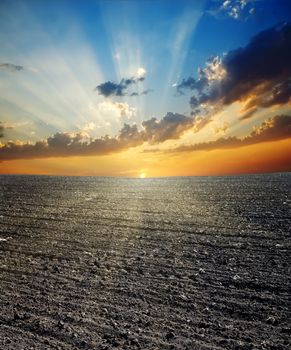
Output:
x,y
68,48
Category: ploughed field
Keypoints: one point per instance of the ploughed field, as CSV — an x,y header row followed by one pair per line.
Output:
x,y
173,263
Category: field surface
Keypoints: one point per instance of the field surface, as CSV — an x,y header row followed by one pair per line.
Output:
x,y
175,263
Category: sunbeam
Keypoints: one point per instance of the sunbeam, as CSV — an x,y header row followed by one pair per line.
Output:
x,y
142,81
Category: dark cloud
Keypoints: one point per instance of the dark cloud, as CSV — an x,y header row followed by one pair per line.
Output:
x,y
1,130
60,140
61,145
145,92
279,94
112,89
259,72
64,144
108,89
192,84
273,129
172,126
11,67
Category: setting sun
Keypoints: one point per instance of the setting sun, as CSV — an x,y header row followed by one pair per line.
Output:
x,y
142,175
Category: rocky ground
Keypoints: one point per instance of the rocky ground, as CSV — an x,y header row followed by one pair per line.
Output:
x,y
75,275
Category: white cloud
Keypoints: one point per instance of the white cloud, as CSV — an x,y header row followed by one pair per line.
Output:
x,y
236,9
89,127
116,109
214,70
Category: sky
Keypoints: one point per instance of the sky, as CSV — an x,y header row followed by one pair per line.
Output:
x,y
145,88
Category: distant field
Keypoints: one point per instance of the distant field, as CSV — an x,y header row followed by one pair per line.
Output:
x,y
173,263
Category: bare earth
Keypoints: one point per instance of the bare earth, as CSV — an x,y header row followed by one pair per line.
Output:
x,y
145,264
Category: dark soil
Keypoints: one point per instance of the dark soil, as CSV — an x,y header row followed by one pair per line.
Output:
x,y
74,277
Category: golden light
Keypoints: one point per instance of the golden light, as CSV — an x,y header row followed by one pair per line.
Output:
x,y
142,175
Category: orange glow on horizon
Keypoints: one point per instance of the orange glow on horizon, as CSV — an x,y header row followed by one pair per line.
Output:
x,y
258,158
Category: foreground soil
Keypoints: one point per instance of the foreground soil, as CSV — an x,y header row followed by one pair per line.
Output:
x,y
143,272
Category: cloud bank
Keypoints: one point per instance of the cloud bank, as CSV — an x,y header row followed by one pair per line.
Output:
x,y
273,129
258,74
171,127
65,144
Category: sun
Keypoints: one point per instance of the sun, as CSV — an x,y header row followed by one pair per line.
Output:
x,y
142,175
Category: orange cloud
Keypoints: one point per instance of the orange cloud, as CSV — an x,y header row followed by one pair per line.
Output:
x,y
273,129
